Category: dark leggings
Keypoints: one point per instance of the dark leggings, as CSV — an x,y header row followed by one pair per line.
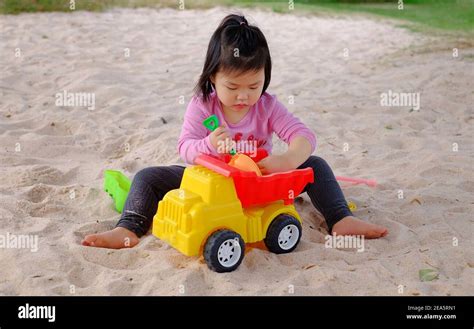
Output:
x,y
151,184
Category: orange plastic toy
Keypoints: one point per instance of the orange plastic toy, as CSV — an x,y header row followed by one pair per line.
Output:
x,y
245,163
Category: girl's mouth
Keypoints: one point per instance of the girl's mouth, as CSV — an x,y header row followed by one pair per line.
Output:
x,y
240,106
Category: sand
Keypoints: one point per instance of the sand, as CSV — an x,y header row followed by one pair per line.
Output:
x,y
52,157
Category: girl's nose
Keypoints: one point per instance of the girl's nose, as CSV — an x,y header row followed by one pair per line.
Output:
x,y
242,97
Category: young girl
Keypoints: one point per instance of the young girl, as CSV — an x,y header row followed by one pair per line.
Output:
x,y
233,86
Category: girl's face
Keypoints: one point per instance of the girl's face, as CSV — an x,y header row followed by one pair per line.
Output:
x,y
239,91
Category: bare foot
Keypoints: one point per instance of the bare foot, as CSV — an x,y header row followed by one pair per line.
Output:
x,y
117,238
351,225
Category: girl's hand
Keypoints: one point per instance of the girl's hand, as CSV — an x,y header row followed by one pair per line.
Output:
x,y
275,163
221,140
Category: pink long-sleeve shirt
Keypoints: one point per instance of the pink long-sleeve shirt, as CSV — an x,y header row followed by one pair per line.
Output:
x,y
266,117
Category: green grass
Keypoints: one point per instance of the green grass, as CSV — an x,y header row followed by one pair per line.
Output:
x,y
446,15
20,6
453,15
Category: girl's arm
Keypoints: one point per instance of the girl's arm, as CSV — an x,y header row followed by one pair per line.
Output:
x,y
298,152
300,139
288,127
194,138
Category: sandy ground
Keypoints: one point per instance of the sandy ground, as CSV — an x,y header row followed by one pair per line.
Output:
x,y
53,157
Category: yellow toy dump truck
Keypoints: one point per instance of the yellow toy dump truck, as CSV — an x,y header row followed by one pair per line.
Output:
x,y
219,208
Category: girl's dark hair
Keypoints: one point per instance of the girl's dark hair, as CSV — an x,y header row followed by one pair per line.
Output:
x,y
235,46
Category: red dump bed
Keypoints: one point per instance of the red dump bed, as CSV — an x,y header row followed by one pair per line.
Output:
x,y
256,190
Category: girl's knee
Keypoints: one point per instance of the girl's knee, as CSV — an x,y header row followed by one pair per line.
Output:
x,y
320,167
159,174
316,162
142,174
148,174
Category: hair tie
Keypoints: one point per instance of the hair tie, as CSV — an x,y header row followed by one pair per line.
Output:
x,y
242,23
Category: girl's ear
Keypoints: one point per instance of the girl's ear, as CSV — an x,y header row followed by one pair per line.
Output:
x,y
213,80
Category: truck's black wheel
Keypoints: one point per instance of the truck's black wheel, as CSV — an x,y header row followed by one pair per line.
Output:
x,y
224,251
283,234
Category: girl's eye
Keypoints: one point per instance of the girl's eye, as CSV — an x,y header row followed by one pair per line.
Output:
x,y
253,88
231,88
